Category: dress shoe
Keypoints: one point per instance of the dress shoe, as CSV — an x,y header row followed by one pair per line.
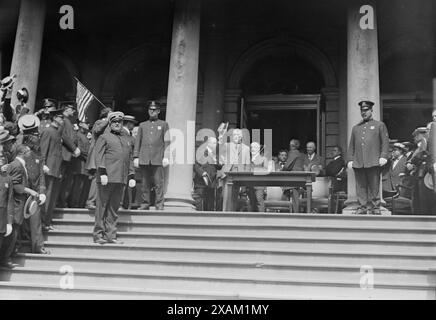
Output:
x,y
361,210
376,211
42,251
100,241
7,264
115,241
144,207
90,207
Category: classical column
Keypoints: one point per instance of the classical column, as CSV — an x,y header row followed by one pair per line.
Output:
x,y
214,82
181,101
27,49
362,74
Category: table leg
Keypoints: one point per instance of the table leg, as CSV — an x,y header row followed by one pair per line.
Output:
x,y
228,197
309,197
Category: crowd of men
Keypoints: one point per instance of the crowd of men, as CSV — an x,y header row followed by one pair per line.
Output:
x,y
50,159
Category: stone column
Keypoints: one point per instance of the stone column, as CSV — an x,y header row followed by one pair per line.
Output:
x,y
27,49
182,100
214,82
362,74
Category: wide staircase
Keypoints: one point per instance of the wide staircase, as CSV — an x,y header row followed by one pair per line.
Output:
x,y
219,255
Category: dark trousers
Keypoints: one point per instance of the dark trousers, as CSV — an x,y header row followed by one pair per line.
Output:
x,y
52,191
257,201
204,198
152,174
81,186
108,202
368,186
7,244
423,199
92,195
32,229
66,184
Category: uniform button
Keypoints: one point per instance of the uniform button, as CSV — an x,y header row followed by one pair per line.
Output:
x,y
363,144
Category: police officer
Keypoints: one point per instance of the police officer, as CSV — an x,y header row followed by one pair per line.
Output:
x,y
149,156
113,158
51,151
367,152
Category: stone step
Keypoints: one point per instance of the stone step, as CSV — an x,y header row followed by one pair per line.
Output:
x,y
319,287
294,219
337,243
184,267
253,255
260,229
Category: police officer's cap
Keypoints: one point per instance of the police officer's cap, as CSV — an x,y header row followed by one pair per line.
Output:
x,y
116,115
365,105
153,105
420,130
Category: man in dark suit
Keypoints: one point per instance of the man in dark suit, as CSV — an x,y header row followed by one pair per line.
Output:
x,y
281,160
396,169
20,181
51,151
113,158
337,171
6,213
367,152
80,174
69,149
150,156
295,162
205,175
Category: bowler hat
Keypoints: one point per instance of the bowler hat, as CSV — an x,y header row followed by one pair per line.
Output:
x,y
116,115
365,104
23,95
5,136
30,207
28,122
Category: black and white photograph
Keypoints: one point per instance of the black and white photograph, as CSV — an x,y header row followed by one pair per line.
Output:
x,y
217,150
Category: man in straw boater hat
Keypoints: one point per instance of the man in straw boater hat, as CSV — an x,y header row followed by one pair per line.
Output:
x,y
113,158
36,170
150,156
51,151
367,153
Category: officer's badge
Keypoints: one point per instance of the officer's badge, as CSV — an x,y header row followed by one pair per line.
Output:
x,y
37,160
372,127
6,185
159,128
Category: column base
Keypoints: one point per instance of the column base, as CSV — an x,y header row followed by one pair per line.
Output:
x,y
179,204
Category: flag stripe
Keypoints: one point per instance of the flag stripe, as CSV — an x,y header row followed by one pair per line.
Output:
x,y
83,98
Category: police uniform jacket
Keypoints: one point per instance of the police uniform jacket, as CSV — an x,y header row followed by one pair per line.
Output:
x,y
150,145
6,202
34,162
113,157
51,150
68,145
19,181
368,143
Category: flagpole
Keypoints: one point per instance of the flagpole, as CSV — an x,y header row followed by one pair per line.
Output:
x,y
90,92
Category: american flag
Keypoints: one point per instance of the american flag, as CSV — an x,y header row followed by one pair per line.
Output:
x,y
83,99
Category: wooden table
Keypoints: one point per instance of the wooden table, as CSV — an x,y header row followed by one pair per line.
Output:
x,y
234,180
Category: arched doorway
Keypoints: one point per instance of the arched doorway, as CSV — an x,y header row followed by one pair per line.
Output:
x,y
280,81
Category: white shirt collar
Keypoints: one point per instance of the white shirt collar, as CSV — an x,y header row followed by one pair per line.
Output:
x,y
22,161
